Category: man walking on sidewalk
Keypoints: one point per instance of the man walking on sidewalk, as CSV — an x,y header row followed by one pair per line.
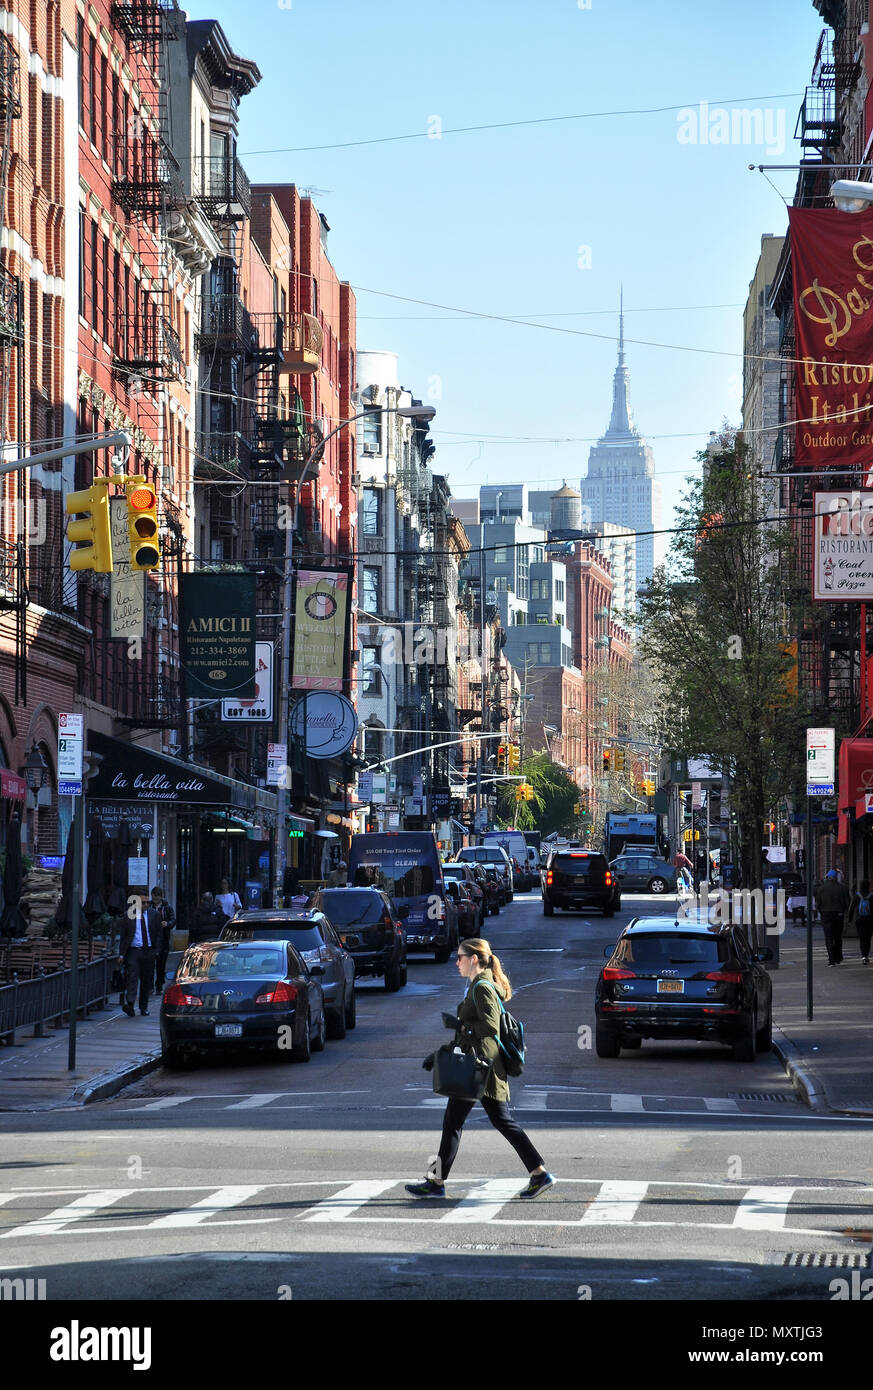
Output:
x,y
138,948
833,902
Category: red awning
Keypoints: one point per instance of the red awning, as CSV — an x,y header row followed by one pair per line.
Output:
x,y
855,779
13,787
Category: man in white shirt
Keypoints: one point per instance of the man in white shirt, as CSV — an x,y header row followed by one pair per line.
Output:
x,y
138,948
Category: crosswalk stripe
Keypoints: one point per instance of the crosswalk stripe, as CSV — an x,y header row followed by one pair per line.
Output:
x,y
615,1202
255,1102
218,1201
78,1210
720,1103
764,1208
164,1104
485,1201
621,1102
346,1201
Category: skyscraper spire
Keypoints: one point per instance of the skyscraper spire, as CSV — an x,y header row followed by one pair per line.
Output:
x,y
621,424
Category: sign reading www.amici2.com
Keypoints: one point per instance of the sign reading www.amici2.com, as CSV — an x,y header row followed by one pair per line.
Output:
x,y
842,564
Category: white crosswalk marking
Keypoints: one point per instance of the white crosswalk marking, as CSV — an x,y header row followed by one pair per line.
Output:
x,y
485,1201
764,1208
255,1102
164,1104
78,1210
207,1206
620,1102
343,1203
720,1103
615,1202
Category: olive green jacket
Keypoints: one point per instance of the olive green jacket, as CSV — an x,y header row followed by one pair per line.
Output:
x,y
479,1028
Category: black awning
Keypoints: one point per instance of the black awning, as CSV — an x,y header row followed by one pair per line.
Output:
x,y
131,773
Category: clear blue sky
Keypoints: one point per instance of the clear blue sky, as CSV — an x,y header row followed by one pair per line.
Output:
x,y
493,220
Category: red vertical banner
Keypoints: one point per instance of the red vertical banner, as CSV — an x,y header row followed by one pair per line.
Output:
x,y
832,272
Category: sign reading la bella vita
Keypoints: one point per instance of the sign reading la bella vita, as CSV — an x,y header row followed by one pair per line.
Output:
x,y
842,564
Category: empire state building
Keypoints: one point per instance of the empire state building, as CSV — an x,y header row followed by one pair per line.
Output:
x,y
620,485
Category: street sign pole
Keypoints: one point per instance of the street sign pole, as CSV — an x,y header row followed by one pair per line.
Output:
x,y
74,934
810,908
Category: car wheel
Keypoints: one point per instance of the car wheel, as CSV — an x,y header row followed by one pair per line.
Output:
x,y
442,955
632,1044
494,909
302,1052
606,1041
352,1009
321,1036
548,909
764,1037
336,1026
657,885
175,1060
392,980
744,1042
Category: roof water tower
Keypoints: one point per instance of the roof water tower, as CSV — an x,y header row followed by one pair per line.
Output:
x,y
566,510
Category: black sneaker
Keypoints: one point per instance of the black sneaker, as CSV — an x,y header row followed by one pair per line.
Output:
x,y
129,1010
538,1183
427,1188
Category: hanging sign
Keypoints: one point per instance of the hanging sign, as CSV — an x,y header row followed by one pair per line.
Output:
x,y
127,586
260,709
218,634
321,619
842,565
325,723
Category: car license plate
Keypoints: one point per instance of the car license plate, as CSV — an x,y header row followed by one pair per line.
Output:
x,y
228,1030
671,986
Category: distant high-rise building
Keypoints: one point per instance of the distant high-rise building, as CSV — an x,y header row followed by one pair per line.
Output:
x,y
620,485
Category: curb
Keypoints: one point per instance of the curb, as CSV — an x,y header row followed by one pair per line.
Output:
x,y
110,1083
800,1079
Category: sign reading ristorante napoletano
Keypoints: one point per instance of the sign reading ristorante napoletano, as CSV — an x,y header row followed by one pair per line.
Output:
x,y
218,635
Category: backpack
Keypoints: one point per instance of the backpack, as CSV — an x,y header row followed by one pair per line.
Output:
x,y
863,907
510,1039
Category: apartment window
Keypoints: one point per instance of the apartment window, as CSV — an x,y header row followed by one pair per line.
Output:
x,y
501,555
372,510
566,656
371,430
315,296
104,108
371,588
501,583
545,653
82,309
80,54
559,591
92,89
105,268
95,238
539,589
371,683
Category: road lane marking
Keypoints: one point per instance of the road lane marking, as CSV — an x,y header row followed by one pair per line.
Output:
x,y
615,1203
343,1203
254,1102
764,1208
484,1202
533,1099
625,1103
219,1201
78,1210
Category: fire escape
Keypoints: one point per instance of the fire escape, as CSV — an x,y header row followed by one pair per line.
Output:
x,y
14,596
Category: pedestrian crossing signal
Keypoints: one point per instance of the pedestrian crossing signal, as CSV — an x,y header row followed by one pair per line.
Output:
x,y
142,524
91,529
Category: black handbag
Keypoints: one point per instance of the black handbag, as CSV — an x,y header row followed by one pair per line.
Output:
x,y
117,981
459,1075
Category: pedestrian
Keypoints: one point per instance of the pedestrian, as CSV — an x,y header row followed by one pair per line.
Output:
x,y
861,913
478,1028
227,900
138,947
339,875
290,884
833,902
207,921
168,918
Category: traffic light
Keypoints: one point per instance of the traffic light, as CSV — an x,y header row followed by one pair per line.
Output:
x,y
577,809
91,529
514,757
607,759
649,786
528,791
519,792
142,524
502,757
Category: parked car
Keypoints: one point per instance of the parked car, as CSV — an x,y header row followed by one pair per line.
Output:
x,y
370,926
468,912
240,995
645,873
489,886
516,847
493,855
498,883
580,878
466,873
684,979
313,937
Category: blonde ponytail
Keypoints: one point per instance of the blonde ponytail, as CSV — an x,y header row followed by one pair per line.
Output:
x,y
500,977
479,947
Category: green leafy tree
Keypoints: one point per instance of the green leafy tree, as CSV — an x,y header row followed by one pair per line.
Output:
x,y
716,625
555,794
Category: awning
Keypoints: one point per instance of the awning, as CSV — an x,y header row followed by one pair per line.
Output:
x,y
12,787
327,834
132,773
855,779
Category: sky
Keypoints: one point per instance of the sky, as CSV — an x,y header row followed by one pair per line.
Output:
x,y
543,220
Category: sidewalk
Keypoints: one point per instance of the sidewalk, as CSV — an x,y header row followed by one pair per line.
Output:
x,y
829,1059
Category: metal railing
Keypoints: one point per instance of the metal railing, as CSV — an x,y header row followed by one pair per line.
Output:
x,y
221,186
31,1003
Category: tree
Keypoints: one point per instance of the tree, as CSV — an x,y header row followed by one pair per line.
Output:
x,y
717,623
555,794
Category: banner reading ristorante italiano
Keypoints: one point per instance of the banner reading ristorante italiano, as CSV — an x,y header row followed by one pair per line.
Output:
x,y
218,635
321,614
832,272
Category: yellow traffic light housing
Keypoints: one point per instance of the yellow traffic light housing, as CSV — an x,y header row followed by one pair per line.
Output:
x,y
501,757
91,529
142,524
620,759
607,759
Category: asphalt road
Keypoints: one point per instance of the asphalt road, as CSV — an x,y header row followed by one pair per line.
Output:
x,y
681,1173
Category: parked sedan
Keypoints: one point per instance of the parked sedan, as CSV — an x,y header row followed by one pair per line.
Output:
x,y
370,927
241,995
468,913
313,937
645,873
466,873
684,979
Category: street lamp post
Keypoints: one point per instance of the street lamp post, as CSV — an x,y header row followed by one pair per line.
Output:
x,y
408,412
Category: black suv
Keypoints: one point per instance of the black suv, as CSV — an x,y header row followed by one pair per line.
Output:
x,y
580,878
684,979
370,927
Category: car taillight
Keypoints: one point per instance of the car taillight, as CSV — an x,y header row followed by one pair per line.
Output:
x,y
549,877
176,997
607,878
612,972
726,977
282,993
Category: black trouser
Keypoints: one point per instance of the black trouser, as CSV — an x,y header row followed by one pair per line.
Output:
x,y
833,935
500,1116
139,975
865,933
